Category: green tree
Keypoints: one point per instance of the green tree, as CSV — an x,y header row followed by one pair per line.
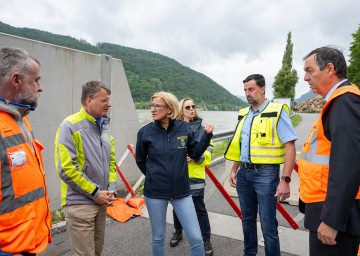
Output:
x,y
354,62
286,78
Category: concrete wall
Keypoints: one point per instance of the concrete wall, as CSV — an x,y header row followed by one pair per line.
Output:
x,y
63,72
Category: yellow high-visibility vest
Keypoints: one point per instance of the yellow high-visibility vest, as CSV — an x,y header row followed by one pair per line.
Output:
x,y
265,145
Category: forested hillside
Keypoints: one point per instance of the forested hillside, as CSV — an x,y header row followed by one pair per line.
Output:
x,y
147,72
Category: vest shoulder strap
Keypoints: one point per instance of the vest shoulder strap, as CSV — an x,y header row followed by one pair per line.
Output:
x,y
274,109
243,112
340,91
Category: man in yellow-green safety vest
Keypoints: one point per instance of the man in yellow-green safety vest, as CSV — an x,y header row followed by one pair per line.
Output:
x,y
264,138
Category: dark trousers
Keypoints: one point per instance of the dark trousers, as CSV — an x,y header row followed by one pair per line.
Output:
x,y
202,216
346,245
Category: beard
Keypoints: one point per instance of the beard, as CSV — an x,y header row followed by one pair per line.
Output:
x,y
24,97
31,103
251,100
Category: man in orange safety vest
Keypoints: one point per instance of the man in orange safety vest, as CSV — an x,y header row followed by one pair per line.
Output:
x,y
25,220
329,164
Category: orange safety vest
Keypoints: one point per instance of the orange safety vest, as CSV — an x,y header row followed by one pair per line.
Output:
x,y
25,219
315,155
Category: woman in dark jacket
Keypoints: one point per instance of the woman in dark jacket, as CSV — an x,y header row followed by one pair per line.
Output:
x,y
188,113
161,154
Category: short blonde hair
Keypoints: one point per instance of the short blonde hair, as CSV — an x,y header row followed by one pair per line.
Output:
x,y
181,108
171,101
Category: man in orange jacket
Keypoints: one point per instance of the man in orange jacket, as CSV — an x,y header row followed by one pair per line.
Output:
x,y
329,164
24,203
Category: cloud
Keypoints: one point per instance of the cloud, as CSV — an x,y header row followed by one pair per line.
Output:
x,y
226,40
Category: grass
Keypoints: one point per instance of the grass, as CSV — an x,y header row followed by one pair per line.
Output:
x,y
219,148
57,216
140,189
295,120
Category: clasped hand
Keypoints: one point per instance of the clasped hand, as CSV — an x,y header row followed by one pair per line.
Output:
x,y
105,198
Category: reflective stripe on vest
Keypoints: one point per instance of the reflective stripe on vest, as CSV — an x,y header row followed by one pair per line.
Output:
x,y
311,156
197,186
24,205
232,151
314,166
196,169
265,145
9,203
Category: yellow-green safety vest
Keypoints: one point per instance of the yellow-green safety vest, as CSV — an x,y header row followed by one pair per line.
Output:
x,y
265,145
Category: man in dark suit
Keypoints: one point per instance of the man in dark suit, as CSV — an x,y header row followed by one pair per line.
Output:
x,y
329,165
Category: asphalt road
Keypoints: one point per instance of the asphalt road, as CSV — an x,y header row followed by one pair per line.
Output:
x,y
303,128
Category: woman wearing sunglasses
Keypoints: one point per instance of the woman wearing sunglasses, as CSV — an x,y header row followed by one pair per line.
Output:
x,y
188,113
161,154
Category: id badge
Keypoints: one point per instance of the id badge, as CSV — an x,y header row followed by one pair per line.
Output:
x,y
18,158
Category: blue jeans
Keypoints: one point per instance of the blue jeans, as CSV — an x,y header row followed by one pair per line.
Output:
x,y
185,210
256,189
202,216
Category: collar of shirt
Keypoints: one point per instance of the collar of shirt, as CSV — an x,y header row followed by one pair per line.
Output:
x,y
328,95
100,121
261,108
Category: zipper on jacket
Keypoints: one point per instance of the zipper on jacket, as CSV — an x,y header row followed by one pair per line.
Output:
x,y
172,174
98,124
252,120
101,129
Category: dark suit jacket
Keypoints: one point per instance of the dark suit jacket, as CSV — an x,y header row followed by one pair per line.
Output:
x,y
342,127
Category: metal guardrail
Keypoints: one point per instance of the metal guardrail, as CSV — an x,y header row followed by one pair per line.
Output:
x,y
292,113
222,135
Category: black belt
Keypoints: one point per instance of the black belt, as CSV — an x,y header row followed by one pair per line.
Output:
x,y
258,166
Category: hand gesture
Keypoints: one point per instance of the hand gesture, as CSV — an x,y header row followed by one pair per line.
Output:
x,y
209,128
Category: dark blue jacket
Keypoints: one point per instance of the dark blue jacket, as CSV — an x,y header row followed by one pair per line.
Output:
x,y
161,156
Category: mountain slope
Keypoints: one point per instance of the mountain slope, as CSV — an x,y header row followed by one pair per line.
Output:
x,y
147,72
305,96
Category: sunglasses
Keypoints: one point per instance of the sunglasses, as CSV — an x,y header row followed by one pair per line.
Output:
x,y
190,106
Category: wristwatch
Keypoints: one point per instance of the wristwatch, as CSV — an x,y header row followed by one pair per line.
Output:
x,y
287,179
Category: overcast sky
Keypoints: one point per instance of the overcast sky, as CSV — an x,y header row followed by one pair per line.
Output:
x,y
223,39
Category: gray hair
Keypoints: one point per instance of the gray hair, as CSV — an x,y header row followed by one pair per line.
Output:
x,y
90,89
14,59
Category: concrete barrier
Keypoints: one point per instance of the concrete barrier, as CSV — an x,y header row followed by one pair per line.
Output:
x,y
63,72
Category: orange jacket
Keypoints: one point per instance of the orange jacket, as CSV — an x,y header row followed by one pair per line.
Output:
x,y
25,219
314,158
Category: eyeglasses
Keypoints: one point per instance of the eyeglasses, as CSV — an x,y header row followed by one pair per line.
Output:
x,y
156,106
102,100
190,106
